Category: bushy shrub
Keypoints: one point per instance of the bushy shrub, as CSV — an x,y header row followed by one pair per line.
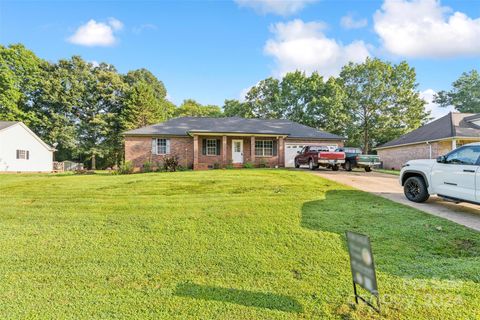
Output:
x,y
262,164
125,168
229,165
170,163
216,165
248,165
84,171
147,167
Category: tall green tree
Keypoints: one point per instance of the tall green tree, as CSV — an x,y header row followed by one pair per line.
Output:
x,y
21,74
264,99
382,101
235,108
191,108
145,101
308,100
464,95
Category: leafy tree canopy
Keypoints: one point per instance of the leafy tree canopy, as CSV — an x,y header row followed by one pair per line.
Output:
x,y
464,95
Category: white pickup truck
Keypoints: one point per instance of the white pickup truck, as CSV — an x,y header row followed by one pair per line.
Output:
x,y
454,176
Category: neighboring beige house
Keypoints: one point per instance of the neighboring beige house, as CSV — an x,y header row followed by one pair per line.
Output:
x,y
431,140
204,143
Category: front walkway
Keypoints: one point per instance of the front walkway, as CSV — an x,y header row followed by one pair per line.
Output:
x,y
387,186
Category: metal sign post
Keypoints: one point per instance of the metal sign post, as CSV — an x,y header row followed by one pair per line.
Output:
x,y
362,266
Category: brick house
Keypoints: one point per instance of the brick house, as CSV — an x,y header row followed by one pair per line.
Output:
x,y
431,140
203,143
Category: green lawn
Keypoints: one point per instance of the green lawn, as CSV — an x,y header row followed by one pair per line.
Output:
x,y
394,172
231,244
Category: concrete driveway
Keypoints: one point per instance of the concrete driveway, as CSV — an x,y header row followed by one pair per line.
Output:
x,y
387,186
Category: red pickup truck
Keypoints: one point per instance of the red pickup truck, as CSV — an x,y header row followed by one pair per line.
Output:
x,y
316,156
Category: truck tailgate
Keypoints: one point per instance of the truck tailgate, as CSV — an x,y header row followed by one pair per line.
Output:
x,y
331,155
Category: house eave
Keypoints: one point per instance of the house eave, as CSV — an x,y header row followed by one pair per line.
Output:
x,y
426,141
235,134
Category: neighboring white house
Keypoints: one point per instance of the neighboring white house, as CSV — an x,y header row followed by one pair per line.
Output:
x,y
21,150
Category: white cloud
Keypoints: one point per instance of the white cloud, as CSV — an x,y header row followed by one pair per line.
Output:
x,y
115,24
299,45
280,7
349,22
425,28
435,110
95,33
144,27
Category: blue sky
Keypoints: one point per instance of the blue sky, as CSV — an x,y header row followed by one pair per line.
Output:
x,y
213,50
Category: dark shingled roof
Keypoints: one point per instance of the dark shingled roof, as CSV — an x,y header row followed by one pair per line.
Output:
x,y
6,124
449,126
185,125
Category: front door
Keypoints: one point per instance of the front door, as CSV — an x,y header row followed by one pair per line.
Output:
x,y
237,151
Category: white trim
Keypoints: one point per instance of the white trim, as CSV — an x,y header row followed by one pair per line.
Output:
x,y
206,147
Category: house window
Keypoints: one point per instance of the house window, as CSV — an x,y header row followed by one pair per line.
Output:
x,y
160,146
264,148
23,154
211,147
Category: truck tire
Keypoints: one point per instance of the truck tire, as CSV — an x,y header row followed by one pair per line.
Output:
x,y
368,169
311,166
296,164
415,189
348,166
335,167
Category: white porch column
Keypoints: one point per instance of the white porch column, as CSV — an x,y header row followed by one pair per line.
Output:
x,y
454,144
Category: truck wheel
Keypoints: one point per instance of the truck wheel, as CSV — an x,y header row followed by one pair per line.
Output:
x,y
311,166
368,169
348,166
415,189
296,164
335,168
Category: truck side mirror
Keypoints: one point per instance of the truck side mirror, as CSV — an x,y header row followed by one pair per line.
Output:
x,y
441,159
298,152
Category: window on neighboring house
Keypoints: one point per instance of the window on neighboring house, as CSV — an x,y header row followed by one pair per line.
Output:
x,y
161,146
264,148
23,154
211,147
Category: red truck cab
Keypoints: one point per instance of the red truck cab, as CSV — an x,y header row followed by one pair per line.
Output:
x,y
316,156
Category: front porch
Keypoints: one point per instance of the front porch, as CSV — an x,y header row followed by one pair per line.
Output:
x,y
215,150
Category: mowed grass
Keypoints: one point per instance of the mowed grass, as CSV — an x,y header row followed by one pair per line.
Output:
x,y
231,244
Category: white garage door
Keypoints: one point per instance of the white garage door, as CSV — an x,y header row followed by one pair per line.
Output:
x,y
290,153
291,150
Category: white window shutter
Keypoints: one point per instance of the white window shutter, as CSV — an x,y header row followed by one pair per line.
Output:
x,y
168,146
154,146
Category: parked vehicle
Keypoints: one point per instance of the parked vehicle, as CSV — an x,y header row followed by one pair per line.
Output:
x,y
355,159
454,176
316,156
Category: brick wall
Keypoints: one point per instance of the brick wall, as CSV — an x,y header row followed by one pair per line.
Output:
x,y
394,158
138,150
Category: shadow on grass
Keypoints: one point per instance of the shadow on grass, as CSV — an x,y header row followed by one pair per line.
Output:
x,y
405,241
241,297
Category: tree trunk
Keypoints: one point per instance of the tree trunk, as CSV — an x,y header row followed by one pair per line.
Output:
x,y
366,149
93,162
365,132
